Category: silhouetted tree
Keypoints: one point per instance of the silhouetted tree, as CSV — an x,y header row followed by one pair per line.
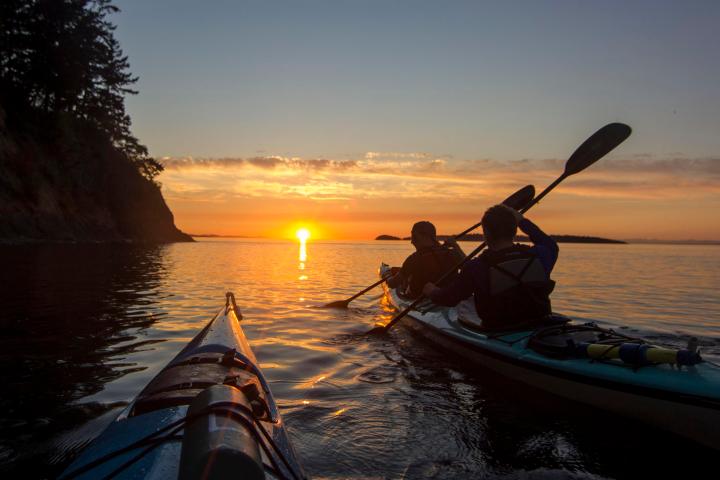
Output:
x,y
62,56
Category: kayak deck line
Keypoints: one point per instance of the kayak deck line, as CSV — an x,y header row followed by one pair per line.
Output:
x,y
691,393
208,412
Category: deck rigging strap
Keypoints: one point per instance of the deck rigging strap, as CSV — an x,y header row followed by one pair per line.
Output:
x,y
153,441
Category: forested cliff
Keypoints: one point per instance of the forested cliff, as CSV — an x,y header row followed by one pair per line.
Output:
x,y
70,169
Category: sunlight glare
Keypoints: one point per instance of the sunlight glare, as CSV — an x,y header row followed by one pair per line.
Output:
x,y
302,234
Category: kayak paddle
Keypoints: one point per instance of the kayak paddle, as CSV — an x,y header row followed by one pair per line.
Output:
x,y
344,303
593,149
521,197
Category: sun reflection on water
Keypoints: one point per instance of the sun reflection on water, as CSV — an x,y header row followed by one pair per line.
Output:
x,y
302,235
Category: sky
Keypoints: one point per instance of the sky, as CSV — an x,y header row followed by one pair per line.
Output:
x,y
358,118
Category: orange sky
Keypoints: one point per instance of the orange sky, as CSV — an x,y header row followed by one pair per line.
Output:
x,y
368,116
385,192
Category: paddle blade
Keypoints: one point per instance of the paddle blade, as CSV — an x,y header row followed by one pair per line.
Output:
x,y
336,304
597,146
380,330
521,198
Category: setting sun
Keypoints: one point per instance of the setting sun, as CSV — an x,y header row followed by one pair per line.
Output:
x,y
302,234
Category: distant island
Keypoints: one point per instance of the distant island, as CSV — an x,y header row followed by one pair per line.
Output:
x,y
478,237
214,235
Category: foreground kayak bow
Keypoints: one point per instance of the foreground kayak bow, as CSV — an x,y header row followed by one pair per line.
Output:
x,y
208,414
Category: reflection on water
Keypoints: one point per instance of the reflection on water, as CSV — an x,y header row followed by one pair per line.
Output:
x,y
303,253
71,317
302,257
84,328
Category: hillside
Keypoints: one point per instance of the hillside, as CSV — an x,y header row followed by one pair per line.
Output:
x,y
62,181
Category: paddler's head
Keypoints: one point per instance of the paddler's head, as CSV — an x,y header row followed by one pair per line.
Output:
x,y
499,226
423,235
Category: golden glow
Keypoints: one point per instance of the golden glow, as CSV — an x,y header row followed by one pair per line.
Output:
x,y
302,234
370,196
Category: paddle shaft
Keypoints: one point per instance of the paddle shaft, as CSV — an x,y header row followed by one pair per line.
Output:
x,y
460,264
367,289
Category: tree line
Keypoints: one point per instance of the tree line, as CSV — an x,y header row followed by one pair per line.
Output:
x,y
61,56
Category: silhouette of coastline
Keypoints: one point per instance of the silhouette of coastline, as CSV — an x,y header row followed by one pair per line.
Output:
x,y
70,168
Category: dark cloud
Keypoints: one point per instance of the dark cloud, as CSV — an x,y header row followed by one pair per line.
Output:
x,y
265,162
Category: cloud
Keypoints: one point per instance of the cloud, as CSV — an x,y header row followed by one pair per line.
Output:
x,y
423,176
268,162
397,155
265,162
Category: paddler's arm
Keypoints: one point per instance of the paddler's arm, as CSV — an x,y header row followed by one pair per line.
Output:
x,y
544,246
400,278
460,289
396,280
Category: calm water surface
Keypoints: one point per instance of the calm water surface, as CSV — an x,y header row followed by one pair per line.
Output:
x,y
84,328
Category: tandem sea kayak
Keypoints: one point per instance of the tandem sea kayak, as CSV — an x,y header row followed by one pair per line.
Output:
x,y
674,390
208,414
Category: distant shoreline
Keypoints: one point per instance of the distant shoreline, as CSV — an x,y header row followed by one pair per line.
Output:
x,y
673,242
212,235
477,237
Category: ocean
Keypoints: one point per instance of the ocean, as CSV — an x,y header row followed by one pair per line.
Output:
x,y
84,327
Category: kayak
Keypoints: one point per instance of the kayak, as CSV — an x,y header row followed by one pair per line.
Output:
x,y
674,390
208,414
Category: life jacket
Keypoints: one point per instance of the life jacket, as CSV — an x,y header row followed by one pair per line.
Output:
x,y
518,292
431,264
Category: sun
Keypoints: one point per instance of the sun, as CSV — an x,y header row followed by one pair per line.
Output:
x,y
302,234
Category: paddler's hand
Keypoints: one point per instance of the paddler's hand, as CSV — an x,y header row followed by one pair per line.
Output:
x,y
518,215
429,289
451,242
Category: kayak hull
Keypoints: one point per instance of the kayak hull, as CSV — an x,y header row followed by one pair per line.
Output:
x,y
683,401
219,355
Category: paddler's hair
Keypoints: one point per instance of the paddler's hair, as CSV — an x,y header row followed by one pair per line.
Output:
x,y
499,223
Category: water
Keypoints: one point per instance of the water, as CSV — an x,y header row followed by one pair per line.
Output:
x,y
84,328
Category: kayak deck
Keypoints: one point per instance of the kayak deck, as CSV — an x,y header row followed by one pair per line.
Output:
x,y
146,440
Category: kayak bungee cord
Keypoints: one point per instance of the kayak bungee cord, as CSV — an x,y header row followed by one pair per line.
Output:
x,y
175,427
137,444
137,457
